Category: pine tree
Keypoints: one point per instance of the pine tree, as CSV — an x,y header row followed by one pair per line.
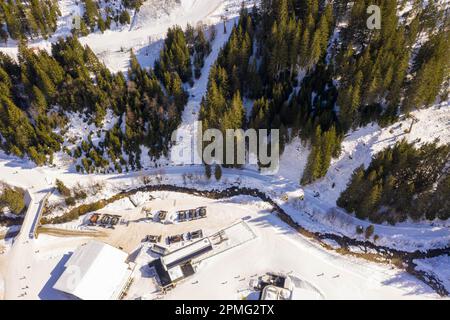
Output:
x,y
366,207
328,147
208,171
91,13
314,164
218,172
62,189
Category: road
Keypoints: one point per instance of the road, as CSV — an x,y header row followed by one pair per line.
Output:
x,y
21,256
21,259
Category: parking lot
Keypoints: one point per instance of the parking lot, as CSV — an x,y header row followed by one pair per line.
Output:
x,y
142,224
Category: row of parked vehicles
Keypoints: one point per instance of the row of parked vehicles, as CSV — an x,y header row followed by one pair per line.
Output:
x,y
152,238
191,214
197,234
182,215
162,250
104,220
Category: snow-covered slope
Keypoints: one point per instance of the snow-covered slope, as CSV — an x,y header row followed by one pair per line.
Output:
x,y
148,27
144,36
358,148
438,266
361,145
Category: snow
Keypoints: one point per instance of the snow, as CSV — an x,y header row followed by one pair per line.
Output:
x,y
316,214
361,145
228,274
276,243
358,148
275,240
95,271
192,108
148,29
79,129
272,250
139,198
144,35
438,266
293,160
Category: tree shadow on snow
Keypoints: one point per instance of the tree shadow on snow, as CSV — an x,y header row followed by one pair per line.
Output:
x,y
409,284
147,55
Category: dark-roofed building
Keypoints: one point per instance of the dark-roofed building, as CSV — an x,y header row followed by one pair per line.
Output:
x,y
177,265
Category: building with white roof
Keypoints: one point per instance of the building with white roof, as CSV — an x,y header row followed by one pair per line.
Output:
x,y
95,271
187,253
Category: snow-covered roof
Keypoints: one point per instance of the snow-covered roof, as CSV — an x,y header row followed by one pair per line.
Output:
x,y
187,252
95,271
175,273
271,292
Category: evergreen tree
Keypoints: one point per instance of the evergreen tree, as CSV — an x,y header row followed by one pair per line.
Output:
x,y
218,172
314,164
12,198
399,183
175,57
208,172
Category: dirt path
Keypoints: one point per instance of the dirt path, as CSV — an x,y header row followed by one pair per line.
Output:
x,y
58,232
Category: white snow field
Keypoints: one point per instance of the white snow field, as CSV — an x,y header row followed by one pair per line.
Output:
x,y
277,247
35,264
145,33
437,266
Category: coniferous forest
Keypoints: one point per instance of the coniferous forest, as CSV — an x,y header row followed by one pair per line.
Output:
x,y
39,89
284,57
401,182
28,19
310,68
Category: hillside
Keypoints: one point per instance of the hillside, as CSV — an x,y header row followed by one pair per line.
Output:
x,y
100,104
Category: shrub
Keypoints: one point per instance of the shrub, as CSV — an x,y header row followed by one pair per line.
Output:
x,y
218,172
359,229
62,189
80,194
13,198
70,201
369,231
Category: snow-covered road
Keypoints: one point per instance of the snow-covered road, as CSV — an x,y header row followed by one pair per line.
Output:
x,y
21,256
